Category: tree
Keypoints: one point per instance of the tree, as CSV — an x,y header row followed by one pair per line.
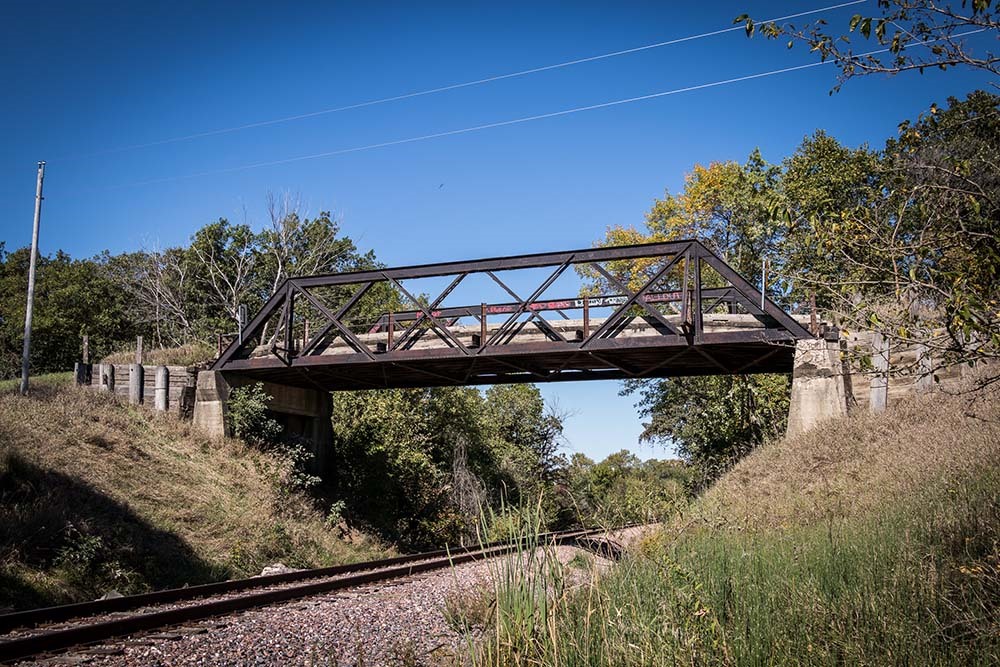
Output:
x,y
729,207
419,465
621,488
819,181
734,209
159,284
296,245
190,293
72,298
229,271
907,35
712,421
922,261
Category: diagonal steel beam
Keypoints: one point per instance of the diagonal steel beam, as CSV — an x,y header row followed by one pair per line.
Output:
x,y
627,371
664,362
524,369
427,313
631,300
404,339
322,333
514,294
524,304
642,302
742,286
717,301
709,357
759,359
543,323
255,326
441,376
285,358
344,331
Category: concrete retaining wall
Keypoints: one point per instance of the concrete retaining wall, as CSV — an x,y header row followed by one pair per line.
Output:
x,y
180,388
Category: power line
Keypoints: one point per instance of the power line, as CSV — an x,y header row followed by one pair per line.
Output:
x,y
456,86
517,121
477,128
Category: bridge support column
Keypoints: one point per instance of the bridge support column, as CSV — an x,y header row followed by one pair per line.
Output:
x,y
303,413
211,403
819,391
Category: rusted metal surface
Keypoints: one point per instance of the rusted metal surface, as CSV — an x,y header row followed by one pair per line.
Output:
x,y
674,323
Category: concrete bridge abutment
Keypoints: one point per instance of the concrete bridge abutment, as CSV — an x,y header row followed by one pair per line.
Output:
x,y
303,413
821,386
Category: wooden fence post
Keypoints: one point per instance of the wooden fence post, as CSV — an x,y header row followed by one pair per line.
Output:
x,y
879,397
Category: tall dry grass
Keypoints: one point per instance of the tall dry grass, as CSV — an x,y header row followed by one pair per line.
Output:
x,y
191,354
96,495
871,540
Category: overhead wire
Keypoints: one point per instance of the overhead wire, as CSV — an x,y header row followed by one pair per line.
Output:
x,y
515,121
456,86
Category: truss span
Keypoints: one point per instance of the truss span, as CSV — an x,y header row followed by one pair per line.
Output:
x,y
676,309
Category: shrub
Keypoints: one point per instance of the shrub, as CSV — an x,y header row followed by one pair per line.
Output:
x,y
248,417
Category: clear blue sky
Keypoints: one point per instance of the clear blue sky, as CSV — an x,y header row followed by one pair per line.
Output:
x,y
81,80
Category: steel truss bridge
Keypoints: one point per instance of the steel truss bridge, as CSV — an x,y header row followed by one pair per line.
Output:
x,y
677,309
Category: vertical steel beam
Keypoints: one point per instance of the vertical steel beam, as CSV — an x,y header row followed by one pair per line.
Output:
x,y
685,309
482,324
289,317
698,321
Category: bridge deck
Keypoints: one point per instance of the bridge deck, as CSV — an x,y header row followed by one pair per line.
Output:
x,y
649,333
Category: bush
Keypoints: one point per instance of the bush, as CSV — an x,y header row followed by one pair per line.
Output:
x,y
248,417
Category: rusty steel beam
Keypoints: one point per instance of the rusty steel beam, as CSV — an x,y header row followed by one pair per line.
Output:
x,y
665,348
721,294
500,263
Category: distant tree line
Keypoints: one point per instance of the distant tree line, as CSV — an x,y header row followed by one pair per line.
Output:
x,y
171,296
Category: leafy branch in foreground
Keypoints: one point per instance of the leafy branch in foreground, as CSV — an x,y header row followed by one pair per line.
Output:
x,y
910,35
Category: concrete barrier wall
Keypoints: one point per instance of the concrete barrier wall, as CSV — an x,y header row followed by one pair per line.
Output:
x,y
904,368
862,370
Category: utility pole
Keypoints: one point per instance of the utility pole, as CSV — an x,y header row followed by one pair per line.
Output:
x,y
31,280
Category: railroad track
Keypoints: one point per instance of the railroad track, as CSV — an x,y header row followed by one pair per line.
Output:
x,y
41,632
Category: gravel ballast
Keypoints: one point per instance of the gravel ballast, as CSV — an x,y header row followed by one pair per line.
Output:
x,y
399,622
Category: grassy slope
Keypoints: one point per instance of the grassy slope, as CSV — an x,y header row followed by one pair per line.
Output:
x,y
870,540
95,495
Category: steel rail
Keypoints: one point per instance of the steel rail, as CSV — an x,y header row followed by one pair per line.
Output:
x,y
32,617
49,641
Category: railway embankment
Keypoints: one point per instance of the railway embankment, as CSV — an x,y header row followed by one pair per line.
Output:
x,y
99,496
871,539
